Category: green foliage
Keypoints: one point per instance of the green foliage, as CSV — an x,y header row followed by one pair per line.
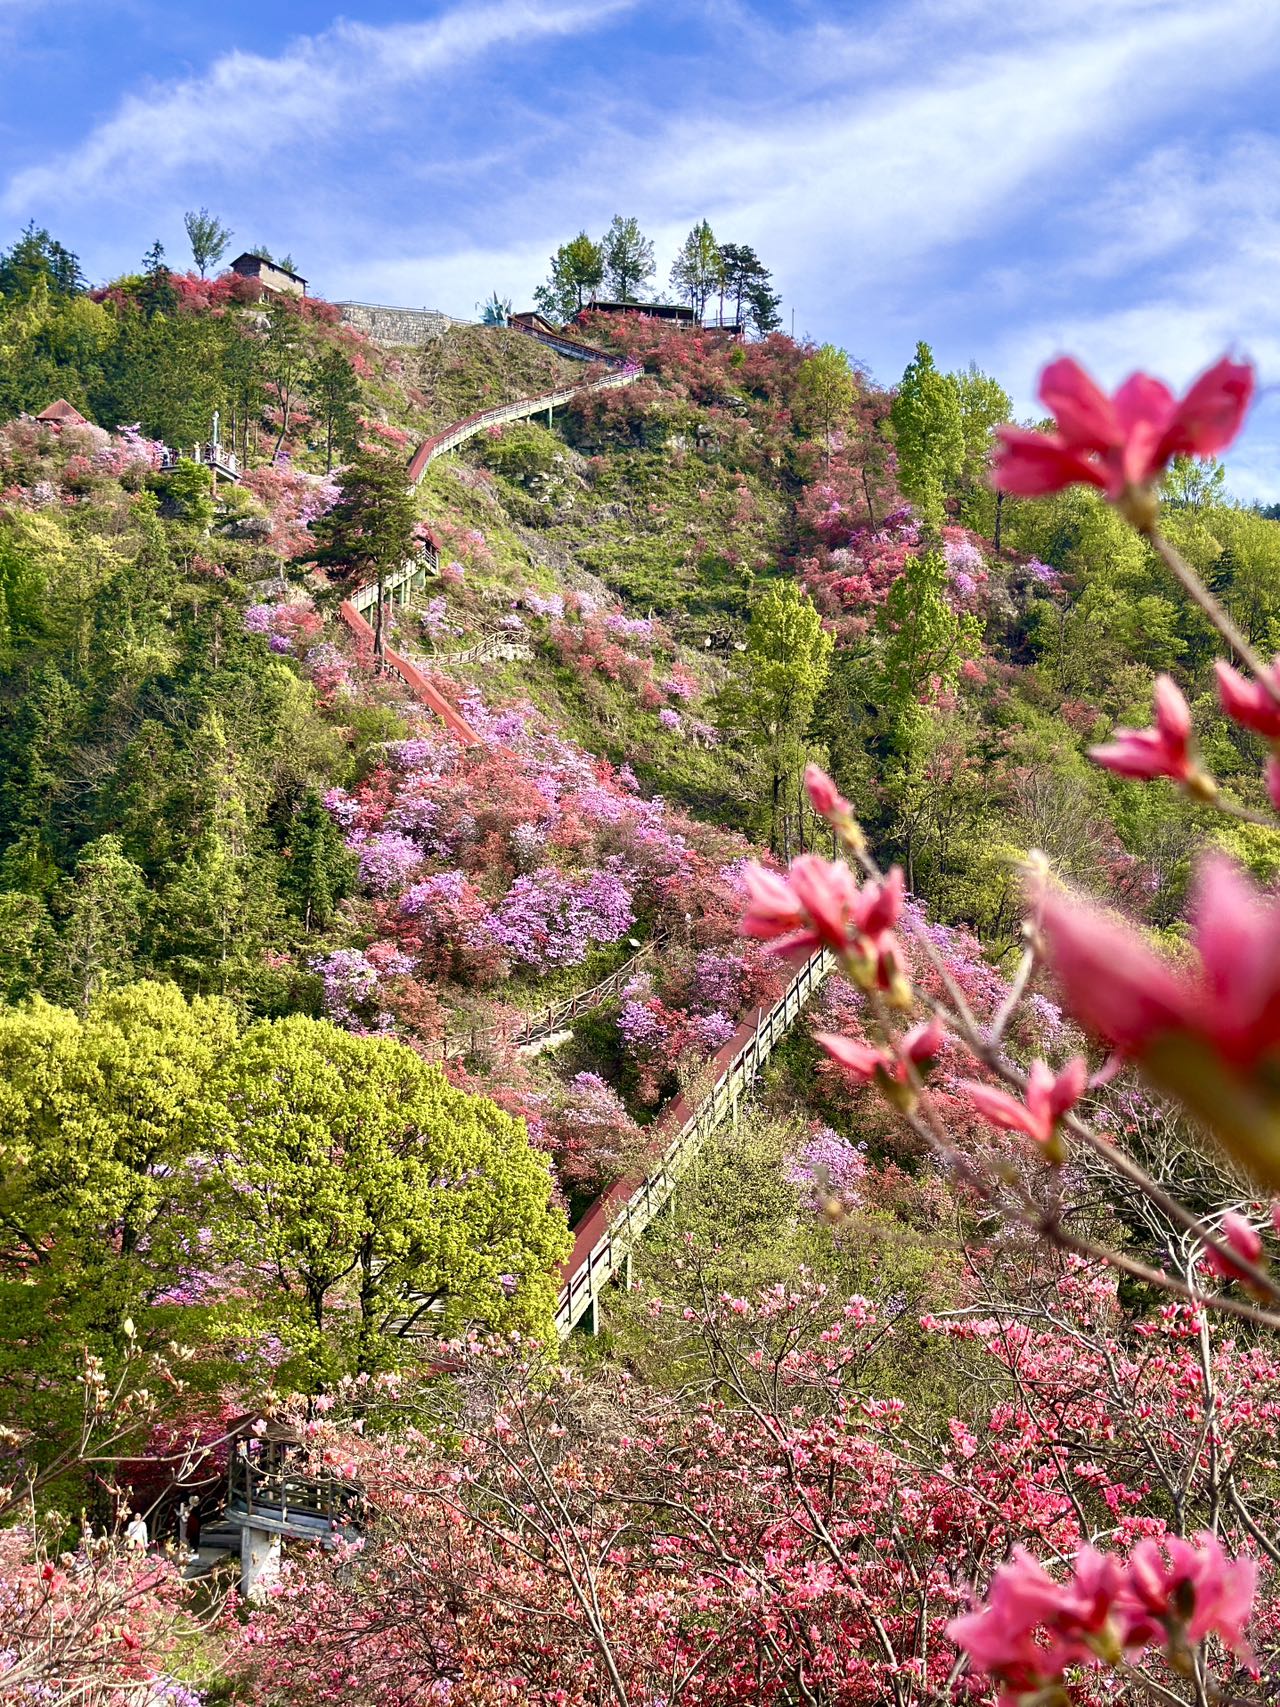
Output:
x,y
208,238
825,392
628,260
36,262
369,532
577,267
319,869
698,270
928,430
355,1165
924,638
984,405
773,695
335,396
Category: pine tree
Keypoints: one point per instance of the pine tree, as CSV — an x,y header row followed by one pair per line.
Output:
x,y
319,868
335,393
628,260
39,258
698,270
102,906
369,532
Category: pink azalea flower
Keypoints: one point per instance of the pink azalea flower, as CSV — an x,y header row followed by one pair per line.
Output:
x,y
1243,1238
1207,1032
1254,705
1197,1587
867,1061
825,798
1123,442
1166,749
1048,1098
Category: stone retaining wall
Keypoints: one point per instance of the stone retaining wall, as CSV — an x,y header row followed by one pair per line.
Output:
x,y
397,325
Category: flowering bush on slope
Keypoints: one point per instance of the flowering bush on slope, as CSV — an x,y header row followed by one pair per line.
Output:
x,y
1203,1031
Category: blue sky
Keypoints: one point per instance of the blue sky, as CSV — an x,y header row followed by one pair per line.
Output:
x,y
1101,176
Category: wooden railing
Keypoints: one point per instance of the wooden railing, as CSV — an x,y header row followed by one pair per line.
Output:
x,y
566,346
461,431
419,568
281,1494
549,1020
609,1230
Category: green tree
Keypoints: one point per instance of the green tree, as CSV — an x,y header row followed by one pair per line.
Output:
x,y
335,395
929,433
771,699
984,405
628,260
157,294
284,358
208,238
39,259
923,638
101,909
319,868
357,1174
825,393
697,273
369,532
577,267
747,282
104,1121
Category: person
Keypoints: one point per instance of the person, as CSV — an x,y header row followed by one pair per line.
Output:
x,y
135,1532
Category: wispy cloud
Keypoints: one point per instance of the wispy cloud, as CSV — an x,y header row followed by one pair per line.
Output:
x,y
247,105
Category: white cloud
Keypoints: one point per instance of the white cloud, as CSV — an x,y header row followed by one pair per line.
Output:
x,y
246,106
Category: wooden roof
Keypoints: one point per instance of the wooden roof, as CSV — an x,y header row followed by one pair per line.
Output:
x,y
62,414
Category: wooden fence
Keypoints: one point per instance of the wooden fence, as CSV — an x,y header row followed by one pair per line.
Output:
x,y
609,1230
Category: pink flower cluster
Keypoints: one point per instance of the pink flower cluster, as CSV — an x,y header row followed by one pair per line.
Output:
x,y
1034,1629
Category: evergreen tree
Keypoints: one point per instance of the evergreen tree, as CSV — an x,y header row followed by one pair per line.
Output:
x,y
208,238
284,358
319,868
335,396
928,430
369,532
747,283
697,273
39,259
628,260
157,294
102,908
577,268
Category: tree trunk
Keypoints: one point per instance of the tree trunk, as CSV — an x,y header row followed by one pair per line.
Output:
x,y
871,514
379,638
999,519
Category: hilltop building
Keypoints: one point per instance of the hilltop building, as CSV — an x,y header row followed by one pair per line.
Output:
x,y
269,274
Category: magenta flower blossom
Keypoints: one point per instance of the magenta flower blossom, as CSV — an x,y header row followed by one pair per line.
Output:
x,y
1166,749
1049,1096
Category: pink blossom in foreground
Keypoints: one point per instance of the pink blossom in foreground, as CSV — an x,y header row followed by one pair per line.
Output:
x,y
891,1069
1254,705
1124,442
1206,1032
1166,749
1033,1628
828,802
1049,1096
1198,1587
819,905
1243,1238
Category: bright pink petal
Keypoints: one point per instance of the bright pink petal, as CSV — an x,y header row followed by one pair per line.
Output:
x,y
1212,412
824,796
1004,1111
1173,714
1111,981
1237,931
924,1041
1139,753
1069,1086
1034,465
1248,702
879,904
1144,407
771,907
826,891
1085,415
860,1059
